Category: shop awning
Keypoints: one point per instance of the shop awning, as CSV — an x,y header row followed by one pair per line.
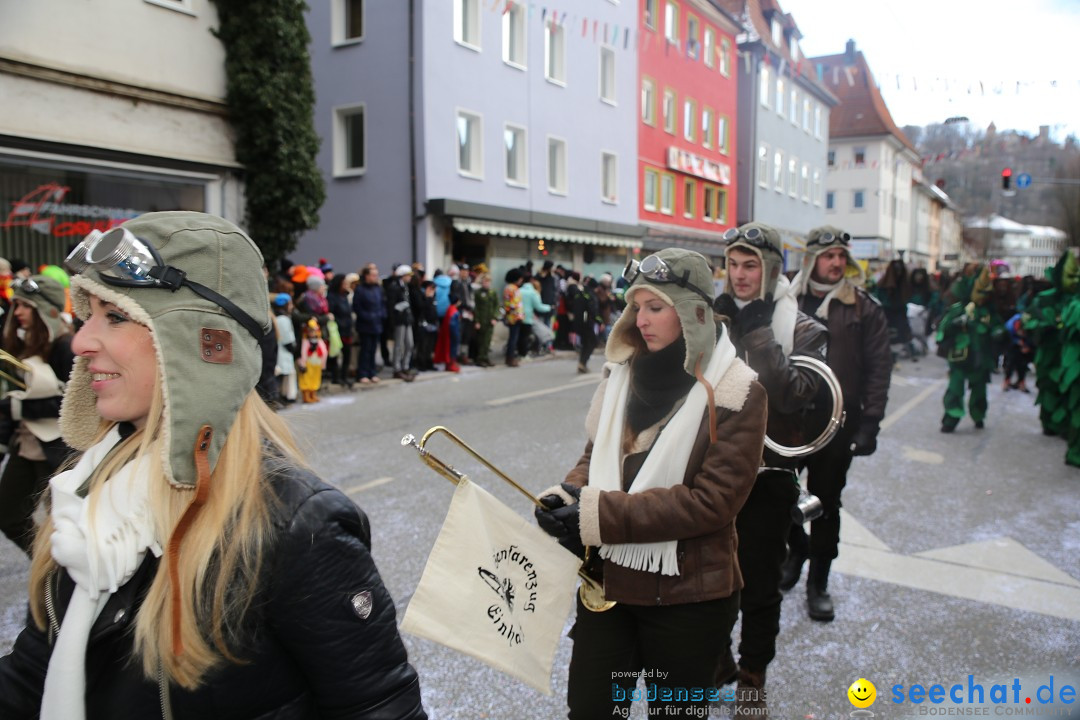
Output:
x,y
540,232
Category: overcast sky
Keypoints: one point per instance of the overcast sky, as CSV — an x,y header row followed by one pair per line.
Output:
x,y
930,56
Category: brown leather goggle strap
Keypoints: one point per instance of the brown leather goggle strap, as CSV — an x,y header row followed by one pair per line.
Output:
x,y
202,490
712,398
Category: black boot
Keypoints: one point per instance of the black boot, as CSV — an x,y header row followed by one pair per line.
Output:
x,y
791,570
750,695
818,603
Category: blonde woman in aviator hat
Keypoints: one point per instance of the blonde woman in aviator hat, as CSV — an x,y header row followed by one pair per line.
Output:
x,y
38,336
675,434
172,578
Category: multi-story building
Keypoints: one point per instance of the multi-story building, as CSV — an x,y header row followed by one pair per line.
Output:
x,y
687,125
1025,249
871,163
936,228
102,120
469,130
784,115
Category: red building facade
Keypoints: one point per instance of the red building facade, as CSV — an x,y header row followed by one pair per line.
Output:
x,y
686,140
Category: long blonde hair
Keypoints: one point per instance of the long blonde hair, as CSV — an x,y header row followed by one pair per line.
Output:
x,y
221,555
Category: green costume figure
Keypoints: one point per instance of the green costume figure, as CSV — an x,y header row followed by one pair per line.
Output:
x,y
1045,321
487,311
969,333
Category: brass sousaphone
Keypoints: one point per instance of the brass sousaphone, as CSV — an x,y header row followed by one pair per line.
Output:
x,y
590,591
826,411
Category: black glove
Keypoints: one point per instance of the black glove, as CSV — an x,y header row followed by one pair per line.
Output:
x,y
864,441
725,305
562,521
756,314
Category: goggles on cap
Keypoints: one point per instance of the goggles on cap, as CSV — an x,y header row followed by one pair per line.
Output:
x,y
752,236
26,285
657,271
827,238
123,260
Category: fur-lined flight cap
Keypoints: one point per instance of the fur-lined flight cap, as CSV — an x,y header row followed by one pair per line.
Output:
x,y
208,357
689,280
821,240
48,299
764,241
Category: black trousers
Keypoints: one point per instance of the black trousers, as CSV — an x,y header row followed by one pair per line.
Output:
x,y
21,486
763,525
826,476
588,345
673,646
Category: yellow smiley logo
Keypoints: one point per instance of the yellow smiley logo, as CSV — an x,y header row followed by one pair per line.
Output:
x,y
862,693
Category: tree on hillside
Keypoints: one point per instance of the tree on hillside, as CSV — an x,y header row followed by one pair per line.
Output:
x,y
271,100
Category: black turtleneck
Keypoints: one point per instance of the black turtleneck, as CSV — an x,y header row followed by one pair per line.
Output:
x,y
657,381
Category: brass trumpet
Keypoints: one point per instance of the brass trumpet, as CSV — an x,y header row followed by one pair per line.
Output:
x,y
590,591
6,357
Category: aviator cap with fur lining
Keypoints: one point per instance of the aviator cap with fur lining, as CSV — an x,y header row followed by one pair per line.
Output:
x,y
207,361
695,313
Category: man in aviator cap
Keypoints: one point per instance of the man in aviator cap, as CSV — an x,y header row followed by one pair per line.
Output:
x,y
829,287
767,329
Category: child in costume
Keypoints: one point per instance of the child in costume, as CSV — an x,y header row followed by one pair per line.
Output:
x,y
312,359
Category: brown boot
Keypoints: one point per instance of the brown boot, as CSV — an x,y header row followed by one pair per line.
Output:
x,y
750,696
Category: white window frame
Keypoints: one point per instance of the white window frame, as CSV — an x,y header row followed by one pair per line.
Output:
x,y
649,17
763,165
523,154
690,209
780,97
708,127
555,54
855,153
187,7
468,37
562,179
793,107
478,154
338,23
606,51
709,207
609,176
693,45
667,193
793,176
817,187
689,124
650,204
341,113
723,140
670,120
515,28
671,22
778,171
648,106
806,105
804,182
725,57
817,121
765,88
708,45
858,200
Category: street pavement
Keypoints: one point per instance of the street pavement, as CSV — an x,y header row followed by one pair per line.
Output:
x,y
960,553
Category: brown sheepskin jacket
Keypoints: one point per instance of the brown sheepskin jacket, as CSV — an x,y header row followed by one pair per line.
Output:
x,y
700,513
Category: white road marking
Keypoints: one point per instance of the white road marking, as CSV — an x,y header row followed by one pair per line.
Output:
x,y
546,391
894,417
368,485
923,456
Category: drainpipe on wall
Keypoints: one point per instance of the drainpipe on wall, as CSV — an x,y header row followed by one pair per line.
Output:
x,y
412,128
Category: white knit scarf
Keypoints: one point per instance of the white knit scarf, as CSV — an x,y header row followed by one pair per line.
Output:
x,y
665,465
100,551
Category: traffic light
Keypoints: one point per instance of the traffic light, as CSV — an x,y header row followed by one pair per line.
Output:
x,y
1006,178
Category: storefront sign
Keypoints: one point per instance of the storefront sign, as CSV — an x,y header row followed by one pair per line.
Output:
x,y
39,208
692,164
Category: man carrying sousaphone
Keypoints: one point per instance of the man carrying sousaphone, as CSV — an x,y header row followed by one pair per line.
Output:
x,y
767,330
675,434
829,286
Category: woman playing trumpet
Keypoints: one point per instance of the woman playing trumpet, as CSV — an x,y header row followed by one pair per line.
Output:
x,y
675,437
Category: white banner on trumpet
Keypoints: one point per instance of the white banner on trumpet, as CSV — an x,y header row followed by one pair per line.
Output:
x,y
495,587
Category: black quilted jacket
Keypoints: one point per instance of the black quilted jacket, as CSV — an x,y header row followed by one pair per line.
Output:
x,y
321,641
